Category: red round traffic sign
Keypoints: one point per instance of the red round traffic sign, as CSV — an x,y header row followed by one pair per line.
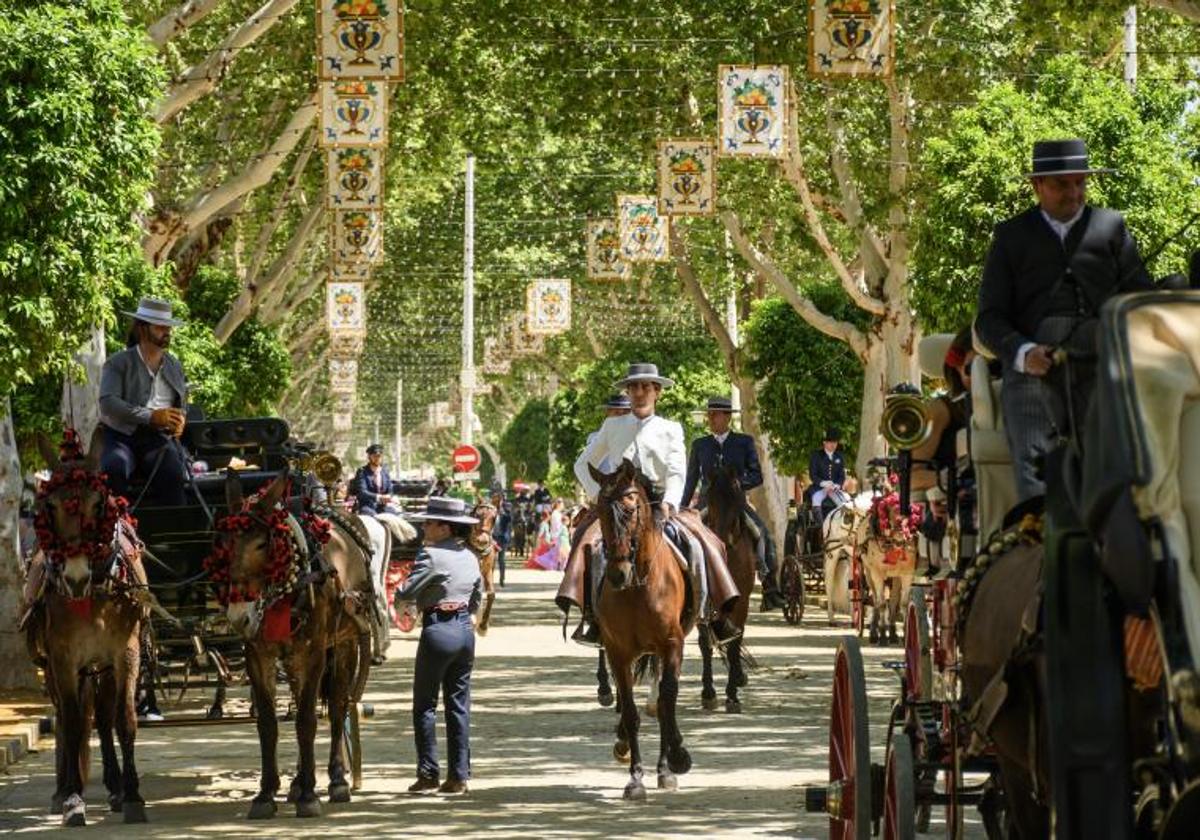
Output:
x,y
466,458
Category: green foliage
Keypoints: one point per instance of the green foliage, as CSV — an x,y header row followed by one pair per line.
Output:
x,y
972,182
808,381
524,445
560,481
77,148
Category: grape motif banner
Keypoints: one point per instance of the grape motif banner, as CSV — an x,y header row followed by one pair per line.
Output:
x,y
346,344
850,37
346,308
353,113
644,233
521,341
753,111
360,39
604,260
495,360
548,307
687,178
349,272
354,179
357,236
343,376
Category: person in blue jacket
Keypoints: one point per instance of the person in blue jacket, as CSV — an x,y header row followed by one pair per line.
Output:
x,y
827,472
373,484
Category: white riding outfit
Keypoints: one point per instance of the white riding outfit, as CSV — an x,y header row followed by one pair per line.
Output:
x,y
654,445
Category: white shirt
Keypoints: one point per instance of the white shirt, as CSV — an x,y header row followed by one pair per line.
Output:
x,y
606,465
1061,230
721,437
161,393
653,444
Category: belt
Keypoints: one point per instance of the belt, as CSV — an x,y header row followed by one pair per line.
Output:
x,y
446,608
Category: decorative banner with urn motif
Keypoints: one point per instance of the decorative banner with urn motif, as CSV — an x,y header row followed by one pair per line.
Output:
x,y
343,422
495,360
357,236
687,178
360,39
548,307
346,344
753,111
521,341
850,37
353,113
343,376
604,260
355,179
644,233
348,272
346,308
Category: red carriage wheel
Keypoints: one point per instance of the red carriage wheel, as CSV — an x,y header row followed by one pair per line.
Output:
x,y
918,673
899,796
849,803
791,584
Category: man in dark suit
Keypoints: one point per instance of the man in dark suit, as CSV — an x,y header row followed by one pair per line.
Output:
x,y
827,472
724,447
1048,272
374,484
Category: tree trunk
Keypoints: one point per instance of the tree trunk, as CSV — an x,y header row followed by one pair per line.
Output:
x,y
891,360
177,21
15,668
81,400
770,500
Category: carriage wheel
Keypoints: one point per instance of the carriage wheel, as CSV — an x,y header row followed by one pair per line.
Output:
x,y
352,746
849,749
918,673
899,802
791,584
858,597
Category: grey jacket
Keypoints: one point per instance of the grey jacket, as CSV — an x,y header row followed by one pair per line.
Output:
x,y
125,389
443,573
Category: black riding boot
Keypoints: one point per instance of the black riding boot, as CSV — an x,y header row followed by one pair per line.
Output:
x,y
588,631
723,630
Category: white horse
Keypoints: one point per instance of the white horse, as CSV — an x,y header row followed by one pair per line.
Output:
x,y
842,534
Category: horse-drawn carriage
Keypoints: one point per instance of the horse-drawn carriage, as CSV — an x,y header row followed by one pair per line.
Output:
x,y
1050,678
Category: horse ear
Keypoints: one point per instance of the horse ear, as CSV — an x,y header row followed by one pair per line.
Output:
x,y
48,450
233,490
95,449
274,493
596,475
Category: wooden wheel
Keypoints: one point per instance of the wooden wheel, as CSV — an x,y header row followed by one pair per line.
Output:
x,y
849,749
791,585
918,673
352,746
899,796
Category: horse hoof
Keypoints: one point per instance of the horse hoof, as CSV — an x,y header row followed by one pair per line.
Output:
x,y
652,710
709,703
339,792
308,807
604,698
679,760
114,803
74,811
215,712
621,752
742,680
261,810
874,638
56,804
732,706
635,791
293,794
133,812
667,781
481,630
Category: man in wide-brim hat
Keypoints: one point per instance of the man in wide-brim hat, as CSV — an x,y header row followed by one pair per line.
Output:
x,y
143,405
1048,272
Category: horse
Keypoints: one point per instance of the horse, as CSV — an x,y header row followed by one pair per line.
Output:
x,y
86,596
889,560
483,546
310,614
641,615
725,515
843,533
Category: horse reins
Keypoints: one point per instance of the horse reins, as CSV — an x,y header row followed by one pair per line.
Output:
x,y
628,522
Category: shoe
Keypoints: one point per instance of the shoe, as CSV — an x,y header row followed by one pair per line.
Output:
x,y
378,659
151,716
771,600
453,787
587,633
424,784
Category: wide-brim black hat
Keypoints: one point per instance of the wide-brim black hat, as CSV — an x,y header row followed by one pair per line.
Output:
x,y
721,404
375,449
832,433
441,509
1062,157
642,372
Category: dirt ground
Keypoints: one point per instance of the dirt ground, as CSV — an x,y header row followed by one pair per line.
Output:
x,y
541,748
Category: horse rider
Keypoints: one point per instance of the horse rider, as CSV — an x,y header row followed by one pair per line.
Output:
x,y
827,472
1048,272
655,446
373,485
502,529
721,447
143,408
446,585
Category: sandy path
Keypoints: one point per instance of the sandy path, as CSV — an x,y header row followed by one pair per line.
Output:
x,y
541,748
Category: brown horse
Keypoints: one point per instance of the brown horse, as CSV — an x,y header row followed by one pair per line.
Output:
x,y
726,517
311,614
641,615
86,591
484,547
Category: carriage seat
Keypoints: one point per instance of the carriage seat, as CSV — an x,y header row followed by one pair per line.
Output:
x,y
994,480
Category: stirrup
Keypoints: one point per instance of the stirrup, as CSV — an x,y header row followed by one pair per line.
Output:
x,y
723,631
589,637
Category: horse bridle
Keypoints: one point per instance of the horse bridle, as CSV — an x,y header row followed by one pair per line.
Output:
x,y
628,521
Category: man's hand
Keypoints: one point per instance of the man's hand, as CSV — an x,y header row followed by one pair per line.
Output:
x,y
668,509
1039,360
169,420
827,484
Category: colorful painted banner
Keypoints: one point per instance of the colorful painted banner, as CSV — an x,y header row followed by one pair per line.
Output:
x,y
343,376
343,422
360,39
753,111
687,177
548,307
644,233
349,272
353,113
439,415
522,341
604,260
343,403
495,360
345,345
851,37
357,236
346,308
354,179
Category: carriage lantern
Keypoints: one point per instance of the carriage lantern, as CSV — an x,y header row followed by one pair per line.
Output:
x,y
905,423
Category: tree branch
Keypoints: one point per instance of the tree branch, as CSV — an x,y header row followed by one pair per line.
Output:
x,y
896,282
851,204
691,284
765,267
267,231
1183,8
175,22
203,78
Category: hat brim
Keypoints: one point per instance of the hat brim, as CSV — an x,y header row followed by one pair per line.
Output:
x,y
1102,171
157,320
658,380
441,517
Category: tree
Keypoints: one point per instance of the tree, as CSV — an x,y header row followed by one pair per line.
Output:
x,y
524,445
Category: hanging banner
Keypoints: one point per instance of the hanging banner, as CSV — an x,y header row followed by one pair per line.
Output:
x,y
439,415
346,308
522,341
850,37
644,233
354,179
353,113
343,376
495,361
357,236
343,422
604,260
349,272
753,111
687,178
343,403
548,307
361,39
345,345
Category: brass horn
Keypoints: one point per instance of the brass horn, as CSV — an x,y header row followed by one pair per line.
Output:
x,y
906,422
326,466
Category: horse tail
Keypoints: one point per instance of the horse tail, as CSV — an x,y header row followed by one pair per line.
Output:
x,y
643,665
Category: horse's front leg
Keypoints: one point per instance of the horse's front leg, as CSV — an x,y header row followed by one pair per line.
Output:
x,y
311,669
604,692
345,661
260,667
708,692
737,677
622,669
672,757
74,736
125,677
106,703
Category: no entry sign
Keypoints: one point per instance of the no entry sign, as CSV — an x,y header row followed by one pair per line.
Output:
x,y
466,458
